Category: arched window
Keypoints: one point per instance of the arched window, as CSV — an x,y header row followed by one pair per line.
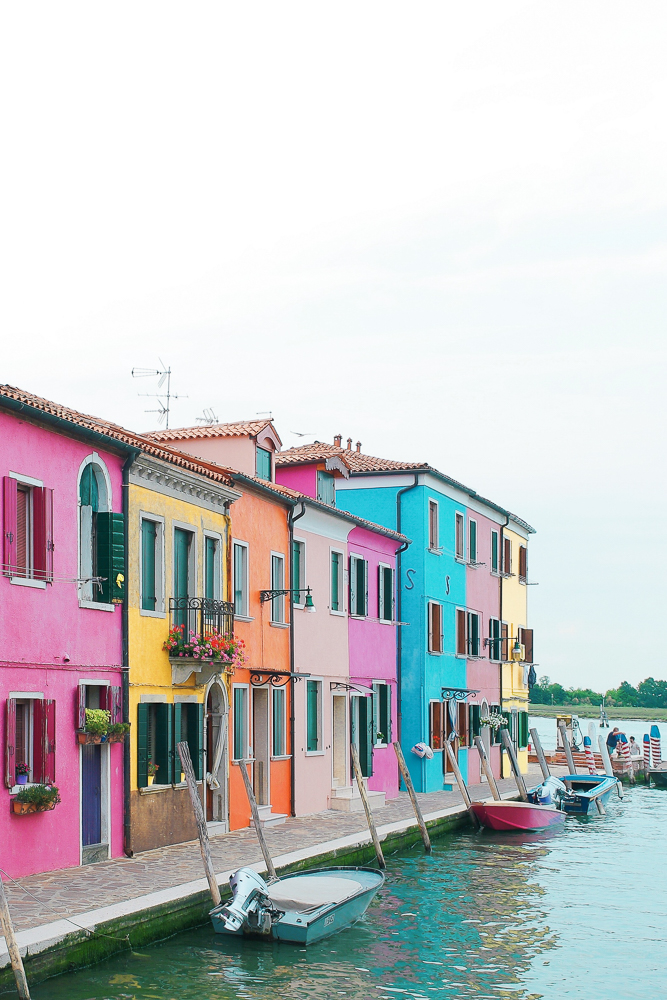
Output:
x,y
94,499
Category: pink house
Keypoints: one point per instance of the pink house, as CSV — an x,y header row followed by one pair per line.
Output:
x,y
61,593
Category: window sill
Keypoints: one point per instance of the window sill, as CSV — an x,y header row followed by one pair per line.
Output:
x,y
461,560
23,581
315,753
287,756
243,618
154,789
380,746
338,614
97,606
279,624
359,618
15,789
435,652
152,614
434,552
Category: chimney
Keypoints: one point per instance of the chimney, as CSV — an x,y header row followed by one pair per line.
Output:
x,y
349,444
358,446
337,440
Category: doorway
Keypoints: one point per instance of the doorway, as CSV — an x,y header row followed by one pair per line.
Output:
x,y
339,749
217,718
94,790
260,745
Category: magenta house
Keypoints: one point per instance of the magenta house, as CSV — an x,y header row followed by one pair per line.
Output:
x,y
61,634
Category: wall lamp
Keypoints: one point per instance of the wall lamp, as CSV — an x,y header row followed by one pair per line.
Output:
x,y
269,595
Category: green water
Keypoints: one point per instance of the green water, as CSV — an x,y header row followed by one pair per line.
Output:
x,y
579,913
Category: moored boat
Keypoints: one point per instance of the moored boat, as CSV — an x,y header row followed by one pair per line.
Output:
x,y
582,791
301,908
658,775
526,816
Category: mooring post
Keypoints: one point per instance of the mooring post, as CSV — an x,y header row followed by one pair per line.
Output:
x,y
486,767
454,764
567,748
204,845
405,774
256,820
367,806
606,761
12,946
511,753
546,773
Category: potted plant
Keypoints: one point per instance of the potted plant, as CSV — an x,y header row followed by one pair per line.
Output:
x,y
195,649
36,798
22,772
494,720
152,771
100,729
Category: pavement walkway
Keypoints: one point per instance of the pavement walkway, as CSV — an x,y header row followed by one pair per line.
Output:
x,y
71,891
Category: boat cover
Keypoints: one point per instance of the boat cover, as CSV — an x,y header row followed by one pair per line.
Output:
x,y
308,892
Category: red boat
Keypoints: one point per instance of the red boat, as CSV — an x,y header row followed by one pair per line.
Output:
x,y
516,815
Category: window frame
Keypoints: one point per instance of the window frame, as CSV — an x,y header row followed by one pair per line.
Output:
x,y
340,597
245,721
244,615
461,633
319,682
160,603
105,505
495,569
301,581
433,526
377,712
495,640
263,451
353,577
217,563
277,603
326,477
442,708
459,535
275,692
470,615
382,590
523,564
472,530
429,625
29,579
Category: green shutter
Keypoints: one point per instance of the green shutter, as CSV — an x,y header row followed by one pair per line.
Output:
x,y
472,550
88,490
313,713
361,588
196,738
384,709
494,551
148,539
111,557
335,581
296,571
523,730
209,567
164,743
366,736
264,464
239,723
278,722
475,728
178,736
388,594
142,746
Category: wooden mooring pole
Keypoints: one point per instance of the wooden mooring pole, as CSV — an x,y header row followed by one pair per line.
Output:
x,y
511,753
256,820
546,773
12,947
567,748
367,806
405,774
454,764
486,767
200,820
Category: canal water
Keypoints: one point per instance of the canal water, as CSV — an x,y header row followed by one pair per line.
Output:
x,y
579,913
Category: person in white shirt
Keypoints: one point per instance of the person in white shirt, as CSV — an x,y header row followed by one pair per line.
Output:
x,y
635,749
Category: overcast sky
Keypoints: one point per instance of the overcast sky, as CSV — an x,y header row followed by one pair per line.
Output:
x,y
438,228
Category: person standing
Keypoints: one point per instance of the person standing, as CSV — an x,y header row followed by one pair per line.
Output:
x,y
612,739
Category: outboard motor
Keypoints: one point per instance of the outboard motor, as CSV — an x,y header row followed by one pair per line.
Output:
x,y
250,894
548,792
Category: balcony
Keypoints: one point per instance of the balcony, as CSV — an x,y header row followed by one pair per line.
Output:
x,y
207,619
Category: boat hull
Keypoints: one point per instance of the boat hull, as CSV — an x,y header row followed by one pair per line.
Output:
x,y
518,816
659,777
584,789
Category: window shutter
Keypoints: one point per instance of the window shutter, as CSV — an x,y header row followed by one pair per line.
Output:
x,y
494,551
436,725
430,626
364,563
116,703
353,586
507,555
42,507
142,746
472,548
164,743
523,730
522,561
9,516
367,763
462,723
440,633
312,709
111,557
10,743
195,738
381,593
81,706
504,651
178,736
48,737
527,634
475,728
460,632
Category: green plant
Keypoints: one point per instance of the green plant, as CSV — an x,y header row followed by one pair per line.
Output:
x,y
118,729
379,737
98,721
41,796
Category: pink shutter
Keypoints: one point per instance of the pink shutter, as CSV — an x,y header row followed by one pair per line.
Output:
x,y
10,743
104,697
42,501
49,741
37,741
116,704
9,559
81,706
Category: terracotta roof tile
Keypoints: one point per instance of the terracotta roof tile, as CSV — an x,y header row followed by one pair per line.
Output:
x,y
238,428
115,432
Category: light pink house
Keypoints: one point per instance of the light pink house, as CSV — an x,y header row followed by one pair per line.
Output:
x,y
60,632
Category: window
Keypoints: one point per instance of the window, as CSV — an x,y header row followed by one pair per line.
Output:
x,y
358,586
337,581
277,583
494,551
433,526
155,743
30,738
101,538
474,727
313,716
27,530
240,734
436,725
435,628
494,639
504,641
473,633
182,575
264,464
460,632
472,541
108,697
189,728
526,640
326,487
362,731
385,593
523,560
241,579
212,567
382,713
152,536
507,556
522,730
495,733
459,537
299,572
278,719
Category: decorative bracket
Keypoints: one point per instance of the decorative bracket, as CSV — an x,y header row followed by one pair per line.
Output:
x,y
277,678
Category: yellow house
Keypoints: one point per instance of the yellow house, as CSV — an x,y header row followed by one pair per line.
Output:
x,y
517,637
178,575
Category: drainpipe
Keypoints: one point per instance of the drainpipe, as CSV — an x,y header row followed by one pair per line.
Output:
x,y
501,556
399,603
126,655
291,518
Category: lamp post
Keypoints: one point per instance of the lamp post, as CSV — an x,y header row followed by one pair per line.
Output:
x,y
269,595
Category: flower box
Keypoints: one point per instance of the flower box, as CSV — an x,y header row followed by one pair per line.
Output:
x,y
23,808
84,737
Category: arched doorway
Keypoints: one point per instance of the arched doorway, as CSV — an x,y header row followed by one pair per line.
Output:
x,y
217,764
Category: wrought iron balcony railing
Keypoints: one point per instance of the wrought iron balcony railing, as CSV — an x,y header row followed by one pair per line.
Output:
x,y
202,615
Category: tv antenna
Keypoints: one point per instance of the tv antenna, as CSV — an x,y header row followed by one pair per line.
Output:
x,y
208,418
164,374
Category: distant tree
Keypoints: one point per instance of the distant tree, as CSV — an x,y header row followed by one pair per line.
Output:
x,y
652,693
624,696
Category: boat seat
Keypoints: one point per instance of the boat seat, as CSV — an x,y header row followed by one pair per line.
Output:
x,y
304,893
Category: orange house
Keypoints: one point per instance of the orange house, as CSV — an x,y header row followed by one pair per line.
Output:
x,y
260,710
